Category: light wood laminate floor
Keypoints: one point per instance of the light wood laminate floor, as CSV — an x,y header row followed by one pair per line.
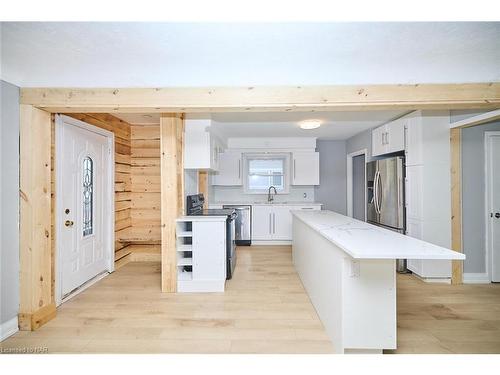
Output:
x,y
264,310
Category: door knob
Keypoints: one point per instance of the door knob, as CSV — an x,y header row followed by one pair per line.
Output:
x,y
68,223
497,215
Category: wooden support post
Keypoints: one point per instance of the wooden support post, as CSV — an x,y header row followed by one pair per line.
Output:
x,y
203,186
172,194
456,202
36,300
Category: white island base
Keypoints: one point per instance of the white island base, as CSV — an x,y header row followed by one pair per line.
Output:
x,y
348,270
355,299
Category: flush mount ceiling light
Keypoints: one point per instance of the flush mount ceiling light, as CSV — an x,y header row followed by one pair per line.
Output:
x,y
310,124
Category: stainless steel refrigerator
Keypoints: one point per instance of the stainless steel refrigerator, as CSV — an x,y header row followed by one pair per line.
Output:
x,y
385,194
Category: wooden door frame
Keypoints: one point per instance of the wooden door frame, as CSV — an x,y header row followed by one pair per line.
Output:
x,y
37,105
350,175
109,204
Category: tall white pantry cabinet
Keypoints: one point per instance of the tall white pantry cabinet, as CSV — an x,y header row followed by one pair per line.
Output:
x,y
428,182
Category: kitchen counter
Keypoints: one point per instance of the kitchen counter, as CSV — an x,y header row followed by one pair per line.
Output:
x,y
215,204
362,240
348,268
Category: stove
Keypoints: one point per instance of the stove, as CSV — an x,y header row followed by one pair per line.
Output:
x,y
194,207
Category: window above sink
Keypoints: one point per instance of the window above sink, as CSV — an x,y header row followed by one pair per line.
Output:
x,y
262,170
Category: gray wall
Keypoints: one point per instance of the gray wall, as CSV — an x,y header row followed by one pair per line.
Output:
x,y
332,171
359,142
473,208
9,202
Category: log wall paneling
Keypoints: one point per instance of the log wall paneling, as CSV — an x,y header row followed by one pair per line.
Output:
x,y
172,168
146,187
123,175
36,261
456,202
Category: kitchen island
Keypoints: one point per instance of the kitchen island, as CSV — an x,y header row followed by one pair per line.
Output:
x,y
348,270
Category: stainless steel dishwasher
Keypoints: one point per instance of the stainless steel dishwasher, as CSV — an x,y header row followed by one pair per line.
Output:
x,y
242,223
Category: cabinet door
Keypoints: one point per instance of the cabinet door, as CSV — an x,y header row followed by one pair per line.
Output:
x,y
414,192
395,135
282,223
414,229
230,171
209,254
305,168
261,223
215,150
414,140
378,141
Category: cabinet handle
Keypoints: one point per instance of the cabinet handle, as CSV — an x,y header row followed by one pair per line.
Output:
x,y
274,223
269,223
294,168
239,168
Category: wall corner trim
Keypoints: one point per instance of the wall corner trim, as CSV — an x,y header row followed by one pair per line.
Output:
x,y
8,328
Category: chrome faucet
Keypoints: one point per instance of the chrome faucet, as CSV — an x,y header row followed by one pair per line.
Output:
x,y
270,198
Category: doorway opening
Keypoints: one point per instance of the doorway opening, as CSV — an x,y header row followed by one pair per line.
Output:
x,y
356,184
84,220
492,202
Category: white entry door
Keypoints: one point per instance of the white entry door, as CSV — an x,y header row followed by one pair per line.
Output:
x,y
492,147
84,203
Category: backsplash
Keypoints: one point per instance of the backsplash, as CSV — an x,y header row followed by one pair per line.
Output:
x,y
237,195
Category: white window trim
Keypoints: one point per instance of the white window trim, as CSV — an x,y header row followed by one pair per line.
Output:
x,y
267,155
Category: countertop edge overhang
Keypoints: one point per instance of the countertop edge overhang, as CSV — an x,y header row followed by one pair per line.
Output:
x,y
339,229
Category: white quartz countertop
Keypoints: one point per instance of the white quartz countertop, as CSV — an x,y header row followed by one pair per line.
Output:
x,y
361,240
266,204
202,218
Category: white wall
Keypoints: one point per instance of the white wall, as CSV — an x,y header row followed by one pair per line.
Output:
x,y
9,202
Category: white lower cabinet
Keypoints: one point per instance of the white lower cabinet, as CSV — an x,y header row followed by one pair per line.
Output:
x,y
262,223
273,222
201,255
282,223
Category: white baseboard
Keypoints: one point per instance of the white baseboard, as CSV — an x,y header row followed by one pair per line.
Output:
x,y
8,328
438,280
270,243
476,278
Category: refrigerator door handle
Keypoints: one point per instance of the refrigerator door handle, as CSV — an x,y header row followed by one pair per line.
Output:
x,y
399,191
379,189
375,191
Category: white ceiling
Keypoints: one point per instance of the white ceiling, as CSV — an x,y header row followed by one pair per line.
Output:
x,y
335,125
211,54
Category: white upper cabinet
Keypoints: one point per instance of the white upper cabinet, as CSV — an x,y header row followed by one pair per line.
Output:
x,y
396,135
230,169
378,141
201,148
389,138
305,168
414,141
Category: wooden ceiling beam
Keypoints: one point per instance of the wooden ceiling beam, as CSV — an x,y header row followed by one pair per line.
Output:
x,y
261,99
